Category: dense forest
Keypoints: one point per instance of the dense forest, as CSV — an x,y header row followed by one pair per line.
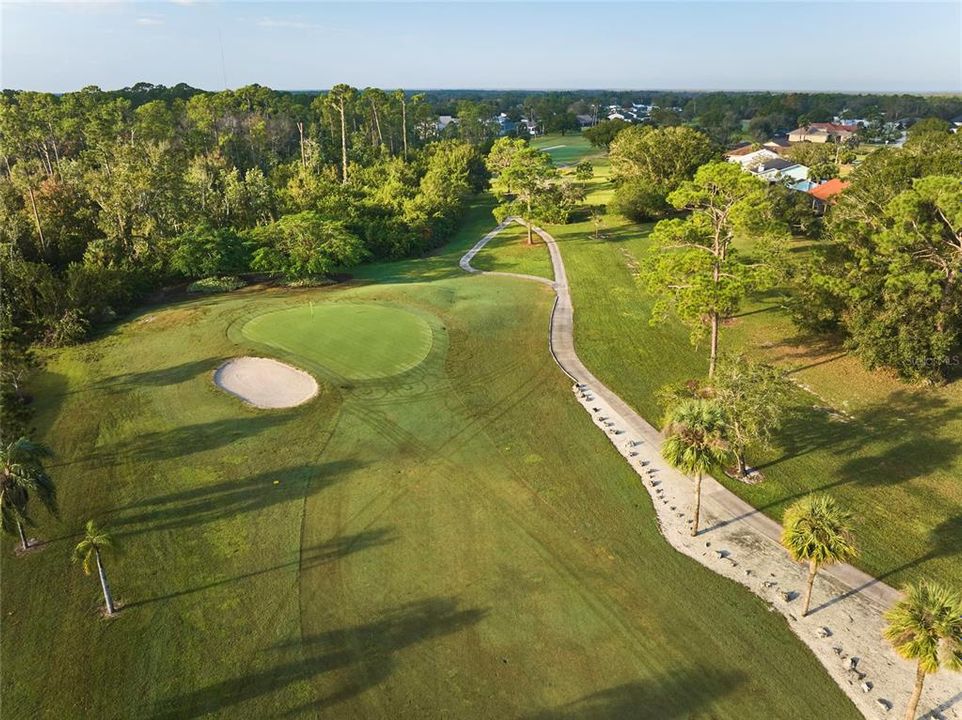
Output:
x,y
106,196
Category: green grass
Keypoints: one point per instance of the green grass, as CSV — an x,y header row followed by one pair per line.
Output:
x,y
349,340
509,252
889,451
457,540
568,149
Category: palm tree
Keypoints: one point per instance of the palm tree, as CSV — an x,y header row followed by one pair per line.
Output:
x,y
926,626
695,440
23,477
89,550
817,531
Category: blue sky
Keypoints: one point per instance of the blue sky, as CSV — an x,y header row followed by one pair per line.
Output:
x,y
778,45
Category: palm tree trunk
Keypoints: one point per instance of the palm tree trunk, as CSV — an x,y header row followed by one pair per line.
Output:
x,y
913,705
108,600
742,467
23,537
812,572
697,511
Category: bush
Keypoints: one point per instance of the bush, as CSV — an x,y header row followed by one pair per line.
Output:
x,y
70,329
216,285
206,252
309,282
639,201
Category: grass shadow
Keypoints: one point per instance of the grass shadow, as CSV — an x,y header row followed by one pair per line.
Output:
x,y
356,658
228,499
684,694
331,551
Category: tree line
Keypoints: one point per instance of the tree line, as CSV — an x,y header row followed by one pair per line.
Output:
x,y
104,198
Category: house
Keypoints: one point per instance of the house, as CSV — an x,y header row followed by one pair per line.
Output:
x,y
779,170
822,133
777,145
803,186
746,156
825,194
850,122
585,120
956,123
444,121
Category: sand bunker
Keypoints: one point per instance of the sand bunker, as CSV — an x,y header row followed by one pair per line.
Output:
x,y
265,383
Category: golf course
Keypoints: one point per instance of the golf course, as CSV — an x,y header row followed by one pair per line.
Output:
x,y
439,532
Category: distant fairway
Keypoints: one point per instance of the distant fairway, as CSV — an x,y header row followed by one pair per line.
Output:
x,y
564,149
352,340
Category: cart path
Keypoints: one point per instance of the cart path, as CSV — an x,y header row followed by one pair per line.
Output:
x,y
742,543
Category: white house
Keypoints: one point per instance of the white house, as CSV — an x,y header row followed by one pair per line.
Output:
x,y
746,157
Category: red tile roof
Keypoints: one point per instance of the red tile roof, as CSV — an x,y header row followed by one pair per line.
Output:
x,y
829,189
743,150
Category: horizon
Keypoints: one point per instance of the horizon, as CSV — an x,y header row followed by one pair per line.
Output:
x,y
729,46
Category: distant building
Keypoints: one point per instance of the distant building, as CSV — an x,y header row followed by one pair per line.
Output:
x,y
444,121
777,145
746,156
779,170
822,133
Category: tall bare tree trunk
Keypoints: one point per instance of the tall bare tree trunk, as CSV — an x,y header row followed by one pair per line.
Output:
x,y
377,123
300,131
404,125
713,356
343,144
23,537
913,705
528,222
696,513
36,218
108,600
812,572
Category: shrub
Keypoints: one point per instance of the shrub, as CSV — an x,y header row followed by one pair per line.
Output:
x,y
639,201
216,285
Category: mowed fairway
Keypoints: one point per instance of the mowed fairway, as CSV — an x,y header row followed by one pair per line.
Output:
x,y
452,540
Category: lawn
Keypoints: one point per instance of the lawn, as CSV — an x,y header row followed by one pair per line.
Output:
x,y
890,451
451,538
509,251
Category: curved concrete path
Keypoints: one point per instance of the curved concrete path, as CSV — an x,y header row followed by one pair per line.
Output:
x,y
844,629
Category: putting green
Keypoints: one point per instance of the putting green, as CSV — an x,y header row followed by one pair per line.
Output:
x,y
358,341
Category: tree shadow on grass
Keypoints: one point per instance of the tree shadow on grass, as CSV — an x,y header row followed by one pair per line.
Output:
x,y
683,694
185,440
172,375
916,419
357,658
327,552
228,499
